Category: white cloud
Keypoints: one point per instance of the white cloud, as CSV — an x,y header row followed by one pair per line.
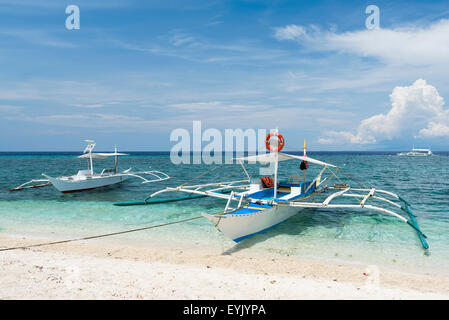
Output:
x,y
418,46
38,37
9,109
415,46
89,106
48,4
219,106
118,122
416,111
290,32
181,39
437,129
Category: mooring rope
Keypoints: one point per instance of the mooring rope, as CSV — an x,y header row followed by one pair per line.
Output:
x,y
100,236
201,175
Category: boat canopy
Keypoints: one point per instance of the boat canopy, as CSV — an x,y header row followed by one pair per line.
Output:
x,y
279,156
101,155
421,150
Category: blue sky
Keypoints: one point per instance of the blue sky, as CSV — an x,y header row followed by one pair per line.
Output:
x,y
136,70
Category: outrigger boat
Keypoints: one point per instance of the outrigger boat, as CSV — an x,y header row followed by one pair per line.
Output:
x,y
262,203
86,180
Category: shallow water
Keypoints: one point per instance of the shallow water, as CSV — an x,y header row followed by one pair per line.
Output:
x,y
348,235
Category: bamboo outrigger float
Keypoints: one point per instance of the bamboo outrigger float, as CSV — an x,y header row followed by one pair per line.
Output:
x,y
254,205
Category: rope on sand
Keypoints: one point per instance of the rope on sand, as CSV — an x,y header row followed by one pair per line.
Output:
x,y
100,236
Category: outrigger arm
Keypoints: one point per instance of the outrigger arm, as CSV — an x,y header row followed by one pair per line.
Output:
x,y
370,194
214,192
159,176
26,185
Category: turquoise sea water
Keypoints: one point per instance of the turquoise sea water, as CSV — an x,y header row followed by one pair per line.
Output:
x,y
348,235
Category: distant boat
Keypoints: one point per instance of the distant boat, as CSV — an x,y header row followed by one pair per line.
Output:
x,y
86,180
417,152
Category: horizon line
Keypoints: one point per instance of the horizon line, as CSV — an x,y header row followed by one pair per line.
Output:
x,y
194,152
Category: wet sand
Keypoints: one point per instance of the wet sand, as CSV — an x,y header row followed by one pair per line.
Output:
x,y
113,270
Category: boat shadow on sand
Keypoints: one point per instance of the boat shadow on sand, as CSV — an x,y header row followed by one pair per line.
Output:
x,y
296,225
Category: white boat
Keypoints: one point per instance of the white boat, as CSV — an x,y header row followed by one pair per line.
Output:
x,y
88,179
417,152
258,204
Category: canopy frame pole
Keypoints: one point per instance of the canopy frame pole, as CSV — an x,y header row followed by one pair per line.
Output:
x,y
116,159
275,193
240,202
304,171
229,201
91,164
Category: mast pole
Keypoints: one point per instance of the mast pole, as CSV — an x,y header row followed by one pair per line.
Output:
x,y
276,175
305,155
90,146
91,163
276,172
116,160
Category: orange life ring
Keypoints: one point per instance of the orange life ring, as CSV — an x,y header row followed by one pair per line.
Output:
x,y
280,140
267,181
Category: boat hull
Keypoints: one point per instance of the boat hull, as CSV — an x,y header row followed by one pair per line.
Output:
x,y
241,226
415,154
67,186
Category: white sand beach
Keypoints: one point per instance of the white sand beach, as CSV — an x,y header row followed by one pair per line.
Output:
x,y
110,270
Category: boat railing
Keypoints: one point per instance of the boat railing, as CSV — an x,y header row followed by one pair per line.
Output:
x,y
84,173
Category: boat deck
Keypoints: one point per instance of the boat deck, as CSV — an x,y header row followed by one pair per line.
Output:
x,y
251,208
286,192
